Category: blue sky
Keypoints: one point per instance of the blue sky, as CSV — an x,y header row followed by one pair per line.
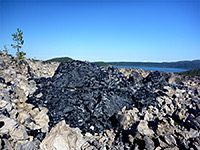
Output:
x,y
104,30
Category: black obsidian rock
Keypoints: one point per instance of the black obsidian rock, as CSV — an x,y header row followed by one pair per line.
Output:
x,y
1,124
85,95
2,80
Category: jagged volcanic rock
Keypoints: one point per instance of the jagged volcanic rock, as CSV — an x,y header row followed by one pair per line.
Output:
x,y
85,95
138,110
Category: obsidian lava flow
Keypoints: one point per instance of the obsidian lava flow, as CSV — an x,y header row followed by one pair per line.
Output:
x,y
85,95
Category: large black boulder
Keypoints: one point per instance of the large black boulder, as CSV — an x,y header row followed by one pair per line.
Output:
x,y
85,95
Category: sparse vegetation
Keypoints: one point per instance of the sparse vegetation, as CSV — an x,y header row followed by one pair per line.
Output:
x,y
18,39
5,49
176,123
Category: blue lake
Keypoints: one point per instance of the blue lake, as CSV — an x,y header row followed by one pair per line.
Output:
x,y
155,69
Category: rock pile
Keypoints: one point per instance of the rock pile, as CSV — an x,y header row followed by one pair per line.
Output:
x,y
85,95
21,124
134,75
78,105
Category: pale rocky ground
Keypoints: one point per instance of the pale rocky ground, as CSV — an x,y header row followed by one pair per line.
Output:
x,y
165,112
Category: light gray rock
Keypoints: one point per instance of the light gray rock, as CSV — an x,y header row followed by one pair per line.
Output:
x,y
23,116
6,146
26,146
144,129
174,79
172,148
2,64
19,133
9,124
196,145
42,119
3,104
87,146
128,117
62,137
158,148
28,87
149,144
165,128
162,143
193,133
43,69
150,113
170,140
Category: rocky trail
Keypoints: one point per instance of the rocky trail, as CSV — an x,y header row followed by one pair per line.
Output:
x,y
80,106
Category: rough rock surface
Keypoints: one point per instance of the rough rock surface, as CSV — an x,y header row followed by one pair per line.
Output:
x,y
43,69
134,75
63,137
83,106
85,95
22,125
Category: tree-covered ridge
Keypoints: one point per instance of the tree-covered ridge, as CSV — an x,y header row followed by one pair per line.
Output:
x,y
101,63
60,59
180,64
194,64
194,72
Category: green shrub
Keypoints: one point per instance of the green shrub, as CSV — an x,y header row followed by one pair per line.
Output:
x,y
175,123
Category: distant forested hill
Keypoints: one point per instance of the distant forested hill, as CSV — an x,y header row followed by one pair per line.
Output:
x,y
60,59
101,63
194,72
180,64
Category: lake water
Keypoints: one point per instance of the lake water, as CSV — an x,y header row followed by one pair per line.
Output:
x,y
155,69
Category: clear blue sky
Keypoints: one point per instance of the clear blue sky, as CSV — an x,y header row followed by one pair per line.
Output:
x,y
107,30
